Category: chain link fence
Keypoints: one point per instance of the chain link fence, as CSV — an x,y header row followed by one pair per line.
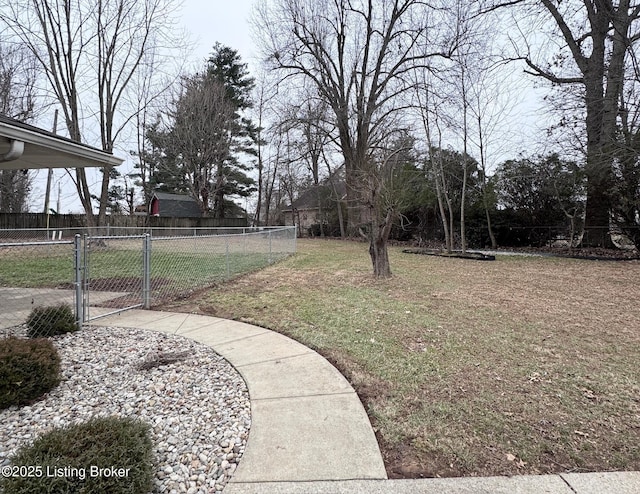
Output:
x,y
33,274
102,274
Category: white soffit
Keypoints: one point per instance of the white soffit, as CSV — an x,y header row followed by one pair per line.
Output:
x,y
42,149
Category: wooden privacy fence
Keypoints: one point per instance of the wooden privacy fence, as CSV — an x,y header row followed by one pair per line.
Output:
x,y
18,221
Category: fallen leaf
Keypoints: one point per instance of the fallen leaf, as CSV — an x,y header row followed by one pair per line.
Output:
x,y
535,377
510,457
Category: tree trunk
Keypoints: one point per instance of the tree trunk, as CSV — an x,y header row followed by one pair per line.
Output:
x,y
597,210
104,196
380,258
380,231
445,222
598,171
338,202
219,193
341,219
485,204
85,196
463,233
492,237
320,218
260,191
354,210
463,195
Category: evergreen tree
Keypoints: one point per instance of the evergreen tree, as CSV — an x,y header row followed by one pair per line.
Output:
x,y
209,146
226,67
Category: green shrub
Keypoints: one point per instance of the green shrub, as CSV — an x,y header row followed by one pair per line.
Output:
x,y
70,458
28,369
51,321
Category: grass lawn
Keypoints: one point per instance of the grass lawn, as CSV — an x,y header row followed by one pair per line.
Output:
x,y
121,269
521,365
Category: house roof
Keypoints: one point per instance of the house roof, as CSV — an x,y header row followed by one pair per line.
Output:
x,y
23,146
308,199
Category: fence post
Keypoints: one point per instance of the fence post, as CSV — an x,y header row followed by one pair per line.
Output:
x,y
270,250
146,268
77,267
226,246
295,239
86,275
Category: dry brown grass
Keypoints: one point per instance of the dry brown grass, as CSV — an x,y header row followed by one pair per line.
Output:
x,y
522,365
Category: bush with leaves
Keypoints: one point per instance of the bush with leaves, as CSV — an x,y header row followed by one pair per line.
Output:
x,y
28,370
51,321
106,454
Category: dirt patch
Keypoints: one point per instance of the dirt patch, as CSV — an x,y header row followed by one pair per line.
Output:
x,y
132,285
120,284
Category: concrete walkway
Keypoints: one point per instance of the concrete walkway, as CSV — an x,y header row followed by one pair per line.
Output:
x,y
309,430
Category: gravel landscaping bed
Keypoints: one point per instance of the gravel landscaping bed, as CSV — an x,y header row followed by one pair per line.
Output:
x,y
195,402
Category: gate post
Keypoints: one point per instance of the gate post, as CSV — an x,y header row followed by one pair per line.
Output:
x,y
146,271
226,250
77,266
295,238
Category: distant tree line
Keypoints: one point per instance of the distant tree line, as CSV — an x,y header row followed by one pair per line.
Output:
x,y
411,98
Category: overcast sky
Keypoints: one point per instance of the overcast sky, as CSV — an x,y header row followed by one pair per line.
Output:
x,y
219,20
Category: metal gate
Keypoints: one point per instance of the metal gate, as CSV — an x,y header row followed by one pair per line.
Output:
x,y
113,275
103,274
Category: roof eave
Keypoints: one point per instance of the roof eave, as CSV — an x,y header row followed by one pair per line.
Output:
x,y
49,151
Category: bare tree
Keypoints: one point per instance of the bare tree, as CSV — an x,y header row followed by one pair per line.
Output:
x,y
381,188
89,53
430,101
271,163
264,93
18,78
198,137
357,54
596,37
312,133
485,88
151,91
273,149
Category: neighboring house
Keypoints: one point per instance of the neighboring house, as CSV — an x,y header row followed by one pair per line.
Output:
x,y
174,206
314,206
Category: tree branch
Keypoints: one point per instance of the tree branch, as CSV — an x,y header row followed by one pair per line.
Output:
x,y
539,72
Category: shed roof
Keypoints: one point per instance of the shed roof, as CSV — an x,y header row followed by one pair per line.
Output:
x,y
176,205
166,196
24,146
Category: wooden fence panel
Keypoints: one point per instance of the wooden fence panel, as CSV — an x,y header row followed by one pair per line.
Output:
x,y
18,221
